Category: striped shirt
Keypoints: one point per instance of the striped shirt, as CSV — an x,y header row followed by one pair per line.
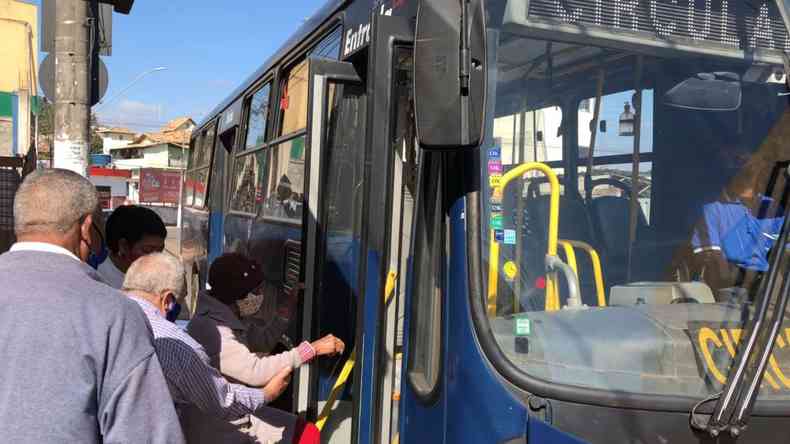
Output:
x,y
190,377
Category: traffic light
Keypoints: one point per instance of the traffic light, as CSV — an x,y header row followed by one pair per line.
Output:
x,y
120,6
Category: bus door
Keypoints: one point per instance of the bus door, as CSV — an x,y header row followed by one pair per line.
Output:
x,y
361,158
336,132
391,231
220,176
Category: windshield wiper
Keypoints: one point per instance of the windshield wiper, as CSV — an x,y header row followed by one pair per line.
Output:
x,y
735,403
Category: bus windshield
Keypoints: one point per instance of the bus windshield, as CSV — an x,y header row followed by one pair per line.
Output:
x,y
668,135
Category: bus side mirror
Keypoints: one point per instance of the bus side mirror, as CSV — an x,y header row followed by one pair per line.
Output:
x,y
449,73
602,125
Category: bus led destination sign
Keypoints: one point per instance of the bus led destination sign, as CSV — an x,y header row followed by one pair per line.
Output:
x,y
730,26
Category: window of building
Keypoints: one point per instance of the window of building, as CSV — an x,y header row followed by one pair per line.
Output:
x,y
257,118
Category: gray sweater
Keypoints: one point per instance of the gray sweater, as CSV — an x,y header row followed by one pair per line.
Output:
x,y
76,360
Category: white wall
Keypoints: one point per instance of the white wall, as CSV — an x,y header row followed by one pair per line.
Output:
x,y
113,141
118,185
155,156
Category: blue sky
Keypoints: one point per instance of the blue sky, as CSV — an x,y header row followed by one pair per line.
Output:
x,y
208,47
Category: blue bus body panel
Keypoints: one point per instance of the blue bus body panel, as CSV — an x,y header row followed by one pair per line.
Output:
x,y
340,285
480,407
367,361
541,433
473,405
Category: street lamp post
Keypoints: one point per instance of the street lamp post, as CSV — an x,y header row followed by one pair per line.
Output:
x,y
131,84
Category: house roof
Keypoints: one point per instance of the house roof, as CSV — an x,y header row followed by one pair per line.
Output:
x,y
116,131
180,137
174,124
169,134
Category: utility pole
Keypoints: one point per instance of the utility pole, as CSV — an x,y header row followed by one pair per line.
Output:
x,y
72,85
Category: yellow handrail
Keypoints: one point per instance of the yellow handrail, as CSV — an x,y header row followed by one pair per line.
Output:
x,y
596,264
570,255
552,293
342,378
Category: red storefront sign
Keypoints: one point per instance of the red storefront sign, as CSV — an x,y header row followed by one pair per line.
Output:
x,y
160,186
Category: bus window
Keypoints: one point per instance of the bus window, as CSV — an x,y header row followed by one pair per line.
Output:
x,y
617,111
339,251
293,100
293,88
682,264
248,181
189,186
329,46
529,136
426,311
257,118
614,180
197,176
284,194
200,179
202,154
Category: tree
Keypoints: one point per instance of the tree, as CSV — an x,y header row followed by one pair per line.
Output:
x,y
46,118
97,144
46,130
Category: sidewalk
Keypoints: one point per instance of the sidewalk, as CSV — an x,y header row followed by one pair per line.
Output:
x,y
171,243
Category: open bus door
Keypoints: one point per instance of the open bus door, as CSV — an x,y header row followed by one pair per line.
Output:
x,y
357,229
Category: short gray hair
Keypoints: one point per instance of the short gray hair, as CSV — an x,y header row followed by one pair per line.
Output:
x,y
154,273
53,200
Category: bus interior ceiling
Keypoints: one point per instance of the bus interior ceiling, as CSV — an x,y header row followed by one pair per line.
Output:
x,y
535,74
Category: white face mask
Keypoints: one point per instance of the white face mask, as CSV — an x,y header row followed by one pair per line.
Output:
x,y
250,304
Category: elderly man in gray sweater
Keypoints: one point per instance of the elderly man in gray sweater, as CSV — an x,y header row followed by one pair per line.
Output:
x,y
78,360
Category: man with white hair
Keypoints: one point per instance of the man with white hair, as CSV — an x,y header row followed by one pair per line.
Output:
x,y
72,348
155,282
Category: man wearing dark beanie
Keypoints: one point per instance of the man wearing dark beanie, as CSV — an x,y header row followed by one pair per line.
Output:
x,y
234,347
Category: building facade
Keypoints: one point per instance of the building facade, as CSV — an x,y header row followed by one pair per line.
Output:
x,y
114,138
18,70
166,148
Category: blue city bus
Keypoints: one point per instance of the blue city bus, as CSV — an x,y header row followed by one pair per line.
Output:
x,y
531,221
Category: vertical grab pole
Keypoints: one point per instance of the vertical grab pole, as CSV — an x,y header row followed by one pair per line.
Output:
x,y
552,289
635,163
600,290
593,135
493,273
